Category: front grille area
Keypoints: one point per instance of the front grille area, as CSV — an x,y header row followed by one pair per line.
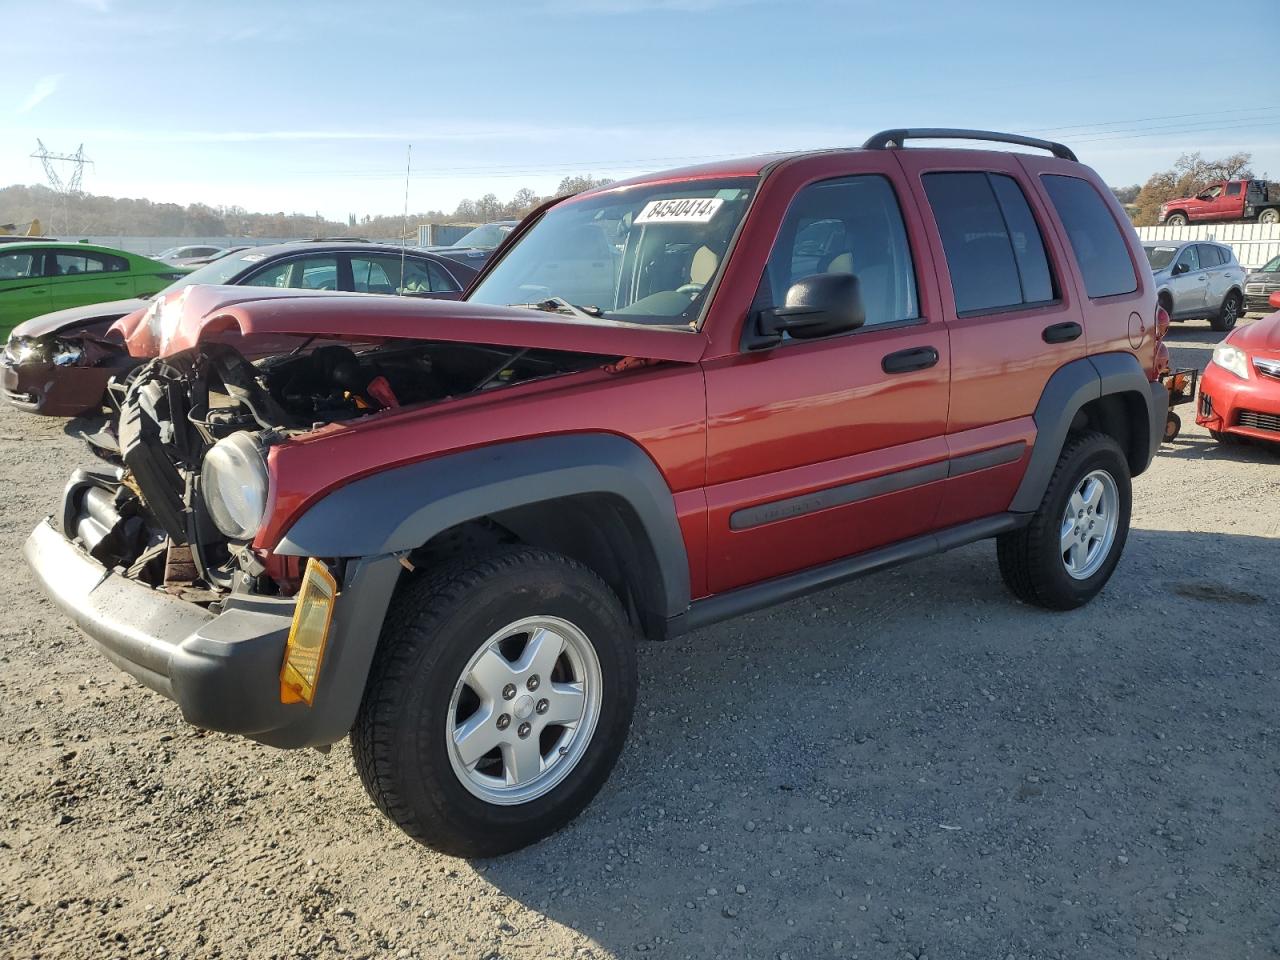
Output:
x,y
1255,288
1267,368
1258,421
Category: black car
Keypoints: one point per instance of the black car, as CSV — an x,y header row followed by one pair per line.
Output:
x,y
475,247
55,364
1259,285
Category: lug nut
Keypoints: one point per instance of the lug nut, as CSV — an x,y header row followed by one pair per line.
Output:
x,y
504,721
509,692
523,730
543,706
533,682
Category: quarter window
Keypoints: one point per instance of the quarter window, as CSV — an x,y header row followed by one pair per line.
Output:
x,y
1095,237
851,225
995,252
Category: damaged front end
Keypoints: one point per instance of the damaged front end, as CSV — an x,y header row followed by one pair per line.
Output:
x,y
186,485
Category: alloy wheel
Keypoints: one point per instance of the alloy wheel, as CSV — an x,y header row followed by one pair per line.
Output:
x,y
524,709
1089,524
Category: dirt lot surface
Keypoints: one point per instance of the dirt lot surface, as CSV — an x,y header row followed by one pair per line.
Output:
x,y
914,765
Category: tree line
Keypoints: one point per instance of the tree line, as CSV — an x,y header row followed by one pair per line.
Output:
x,y
87,214
90,215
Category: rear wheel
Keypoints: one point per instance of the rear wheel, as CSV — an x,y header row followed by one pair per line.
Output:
x,y
1176,220
499,699
1066,554
1228,315
1270,215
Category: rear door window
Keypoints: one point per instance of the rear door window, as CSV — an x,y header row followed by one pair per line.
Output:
x,y
374,273
995,253
305,273
1210,256
1096,240
66,263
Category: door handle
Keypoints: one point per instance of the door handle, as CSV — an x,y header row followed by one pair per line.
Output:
x,y
904,361
1062,332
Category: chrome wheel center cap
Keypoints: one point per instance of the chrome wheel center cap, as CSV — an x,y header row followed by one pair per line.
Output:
x,y
524,707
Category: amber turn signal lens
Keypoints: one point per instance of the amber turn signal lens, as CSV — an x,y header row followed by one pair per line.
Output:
x,y
308,634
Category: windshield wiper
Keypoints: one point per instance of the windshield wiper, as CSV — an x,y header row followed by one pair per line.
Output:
x,y
559,305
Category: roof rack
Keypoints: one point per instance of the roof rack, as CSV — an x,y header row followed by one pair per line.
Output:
x,y
890,139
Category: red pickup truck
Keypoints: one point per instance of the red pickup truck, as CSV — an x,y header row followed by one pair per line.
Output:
x,y
441,527
1225,201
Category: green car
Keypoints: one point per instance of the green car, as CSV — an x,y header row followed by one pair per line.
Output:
x,y
41,277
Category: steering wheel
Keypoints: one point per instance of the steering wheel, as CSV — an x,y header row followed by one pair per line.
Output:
x,y
691,290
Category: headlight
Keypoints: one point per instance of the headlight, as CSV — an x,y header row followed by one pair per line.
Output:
x,y
234,483
1233,359
26,349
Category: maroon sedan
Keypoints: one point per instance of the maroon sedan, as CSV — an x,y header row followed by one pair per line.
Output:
x,y
58,364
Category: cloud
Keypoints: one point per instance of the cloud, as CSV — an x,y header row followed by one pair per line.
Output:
x,y
45,87
99,6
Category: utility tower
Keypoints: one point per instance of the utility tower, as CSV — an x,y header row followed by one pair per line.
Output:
x,y
65,188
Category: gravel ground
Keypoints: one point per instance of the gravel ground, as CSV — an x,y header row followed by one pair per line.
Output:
x,y
912,765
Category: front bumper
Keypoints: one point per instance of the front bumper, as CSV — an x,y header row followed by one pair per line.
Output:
x,y
221,667
1245,408
52,391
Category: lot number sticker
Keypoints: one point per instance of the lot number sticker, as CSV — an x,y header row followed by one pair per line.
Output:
x,y
687,210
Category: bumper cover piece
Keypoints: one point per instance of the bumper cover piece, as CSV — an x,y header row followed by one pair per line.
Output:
x,y
222,669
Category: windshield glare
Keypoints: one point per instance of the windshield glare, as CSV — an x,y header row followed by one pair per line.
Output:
x,y
485,237
1271,266
217,272
646,254
1160,257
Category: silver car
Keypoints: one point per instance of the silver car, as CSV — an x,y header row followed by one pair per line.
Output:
x,y
1198,280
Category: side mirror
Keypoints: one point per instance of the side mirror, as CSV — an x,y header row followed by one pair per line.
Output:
x,y
1274,299
816,306
1181,268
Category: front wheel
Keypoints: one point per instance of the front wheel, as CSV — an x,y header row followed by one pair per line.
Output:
x,y
499,699
1176,220
1067,553
1228,315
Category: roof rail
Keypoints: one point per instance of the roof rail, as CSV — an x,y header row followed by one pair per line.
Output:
x,y
889,139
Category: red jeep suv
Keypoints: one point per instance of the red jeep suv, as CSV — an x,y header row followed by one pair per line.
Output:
x,y
440,528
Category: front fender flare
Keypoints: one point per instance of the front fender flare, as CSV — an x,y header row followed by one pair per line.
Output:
x,y
401,509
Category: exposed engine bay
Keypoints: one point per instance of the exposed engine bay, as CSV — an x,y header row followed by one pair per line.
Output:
x,y
176,507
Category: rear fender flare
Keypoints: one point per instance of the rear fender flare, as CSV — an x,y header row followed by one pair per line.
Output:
x,y
1071,387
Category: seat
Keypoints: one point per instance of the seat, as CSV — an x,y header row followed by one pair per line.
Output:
x,y
701,269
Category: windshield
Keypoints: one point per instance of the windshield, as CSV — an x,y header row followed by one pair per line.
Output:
x,y
486,237
1271,266
218,271
1160,257
646,254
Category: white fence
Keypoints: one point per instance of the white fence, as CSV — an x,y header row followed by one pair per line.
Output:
x,y
1254,243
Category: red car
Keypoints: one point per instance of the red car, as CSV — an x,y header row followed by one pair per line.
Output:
x,y
1225,201
441,528
1240,390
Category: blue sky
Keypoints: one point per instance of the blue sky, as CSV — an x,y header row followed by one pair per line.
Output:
x,y
309,106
